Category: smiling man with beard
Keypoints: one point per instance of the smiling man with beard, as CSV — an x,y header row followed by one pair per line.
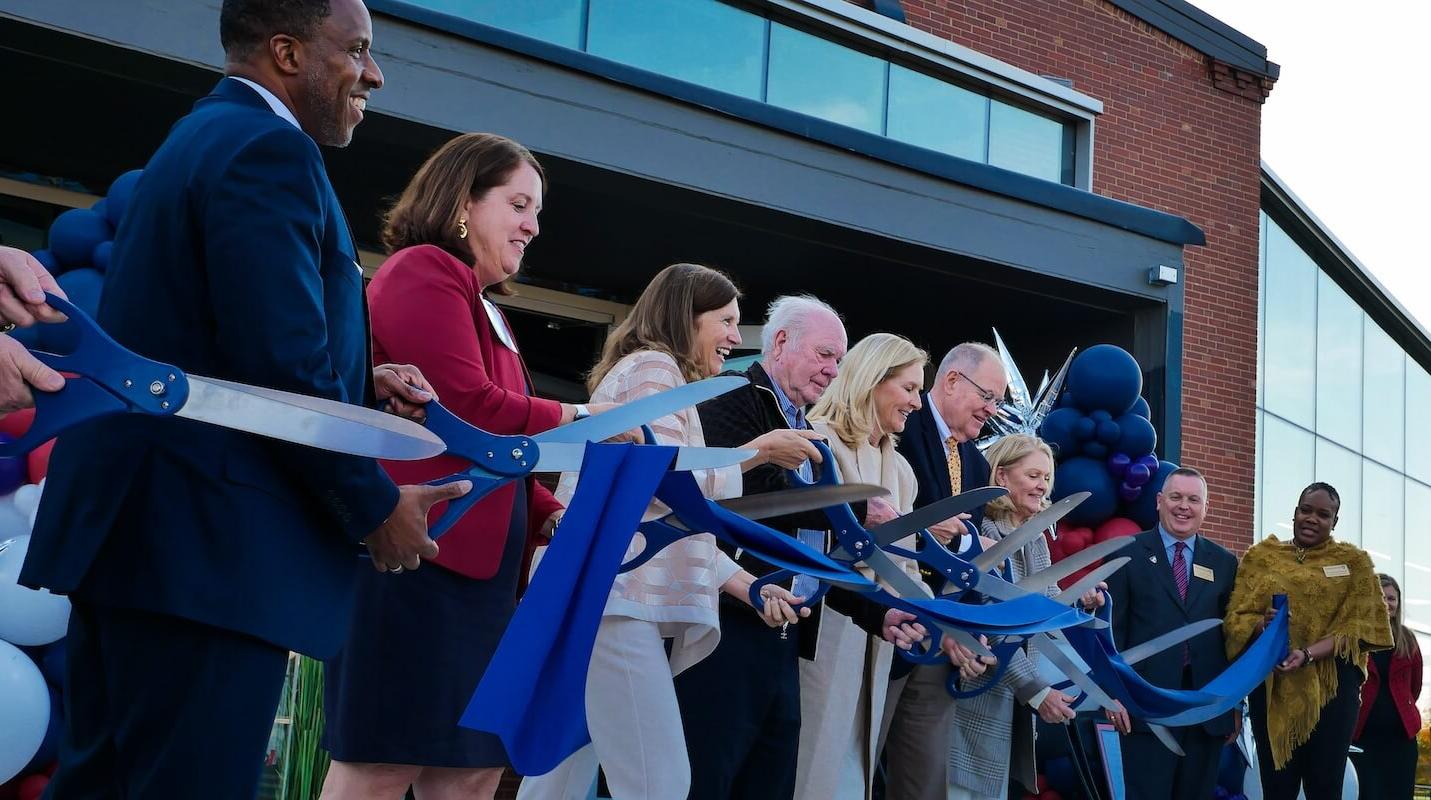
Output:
x,y
197,557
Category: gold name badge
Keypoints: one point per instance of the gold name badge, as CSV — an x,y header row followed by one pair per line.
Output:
x,y
1199,571
1336,571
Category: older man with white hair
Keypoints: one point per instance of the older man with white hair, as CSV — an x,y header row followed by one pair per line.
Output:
x,y
741,705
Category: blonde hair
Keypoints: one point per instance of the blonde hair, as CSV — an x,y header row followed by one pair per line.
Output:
x,y
1005,453
848,404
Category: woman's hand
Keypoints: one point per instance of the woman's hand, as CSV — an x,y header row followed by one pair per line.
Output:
x,y
549,527
1293,662
949,531
901,630
970,666
779,606
786,448
404,390
1266,619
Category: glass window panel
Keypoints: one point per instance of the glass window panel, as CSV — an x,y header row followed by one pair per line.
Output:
x,y
1383,398
1382,532
1342,469
700,41
1339,329
1261,305
1025,142
826,80
1291,330
930,113
1286,470
1416,587
1258,531
1418,431
555,21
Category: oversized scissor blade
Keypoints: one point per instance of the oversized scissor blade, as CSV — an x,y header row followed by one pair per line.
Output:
x,y
1154,646
1045,578
1166,737
627,416
1027,532
567,457
803,498
920,518
1057,649
1070,595
312,421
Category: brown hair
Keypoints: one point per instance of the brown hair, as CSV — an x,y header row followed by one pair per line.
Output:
x,y
466,167
1402,638
664,318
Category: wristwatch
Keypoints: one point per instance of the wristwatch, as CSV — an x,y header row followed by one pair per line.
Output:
x,y
582,412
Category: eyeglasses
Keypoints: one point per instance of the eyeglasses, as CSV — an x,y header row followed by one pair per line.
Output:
x,y
989,398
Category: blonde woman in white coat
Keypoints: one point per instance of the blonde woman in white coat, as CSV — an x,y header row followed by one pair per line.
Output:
x,y
680,330
842,691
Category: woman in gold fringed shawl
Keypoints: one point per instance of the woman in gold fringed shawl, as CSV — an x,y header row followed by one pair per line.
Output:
x,y
1304,714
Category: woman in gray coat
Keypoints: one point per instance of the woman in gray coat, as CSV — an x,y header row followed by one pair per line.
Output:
x,y
993,736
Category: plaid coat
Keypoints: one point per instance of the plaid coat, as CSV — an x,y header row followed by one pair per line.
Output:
x,y
994,735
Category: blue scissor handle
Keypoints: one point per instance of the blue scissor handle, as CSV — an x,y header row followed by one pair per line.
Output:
x,y
960,573
925,653
1004,652
496,459
781,576
111,380
658,533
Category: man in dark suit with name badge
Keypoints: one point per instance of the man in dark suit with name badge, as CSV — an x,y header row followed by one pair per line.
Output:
x,y
1176,576
196,556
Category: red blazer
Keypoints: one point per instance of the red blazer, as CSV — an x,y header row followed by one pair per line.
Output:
x,y
427,311
1405,688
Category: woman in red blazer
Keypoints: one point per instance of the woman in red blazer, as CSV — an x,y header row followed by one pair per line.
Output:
x,y
1388,723
421,640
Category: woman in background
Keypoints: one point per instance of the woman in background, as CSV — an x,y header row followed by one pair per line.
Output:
x,y
1388,723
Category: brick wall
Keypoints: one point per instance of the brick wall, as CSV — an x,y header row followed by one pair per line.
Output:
x,y
1181,134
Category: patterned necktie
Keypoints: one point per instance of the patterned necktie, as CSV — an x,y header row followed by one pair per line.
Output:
x,y
1180,570
956,466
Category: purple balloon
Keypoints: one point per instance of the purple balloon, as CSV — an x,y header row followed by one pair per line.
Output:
x,y
1149,462
1118,464
1129,493
1137,474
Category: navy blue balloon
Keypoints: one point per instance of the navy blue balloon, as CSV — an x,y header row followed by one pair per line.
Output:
x,y
1128,493
1083,474
1099,415
13,471
1095,449
1061,777
74,234
1057,430
1084,429
1118,464
101,256
1108,432
119,193
1136,436
1105,377
101,207
1144,510
1140,407
1138,474
50,745
47,260
52,662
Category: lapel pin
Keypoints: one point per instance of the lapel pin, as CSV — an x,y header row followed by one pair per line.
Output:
x,y
1152,559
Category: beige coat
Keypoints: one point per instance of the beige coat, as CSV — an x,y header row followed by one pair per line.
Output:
x,y
842,691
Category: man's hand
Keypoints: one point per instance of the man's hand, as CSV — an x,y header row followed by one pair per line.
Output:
x,y
1056,709
404,389
19,370
23,283
1119,717
901,630
402,541
878,510
1093,599
784,447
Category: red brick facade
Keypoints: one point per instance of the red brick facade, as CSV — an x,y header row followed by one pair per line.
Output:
x,y
1180,133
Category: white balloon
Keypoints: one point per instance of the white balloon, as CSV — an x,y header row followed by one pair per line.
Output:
x,y
13,521
27,616
35,510
24,711
27,500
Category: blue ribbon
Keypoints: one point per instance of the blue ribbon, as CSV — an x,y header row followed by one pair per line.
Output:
x,y
533,695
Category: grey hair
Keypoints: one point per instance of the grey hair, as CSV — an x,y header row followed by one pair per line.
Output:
x,y
965,358
788,313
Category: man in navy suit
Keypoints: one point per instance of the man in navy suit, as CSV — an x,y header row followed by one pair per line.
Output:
x,y
938,441
1176,576
196,557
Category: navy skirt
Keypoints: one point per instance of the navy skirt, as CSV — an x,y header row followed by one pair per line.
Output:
x,y
420,643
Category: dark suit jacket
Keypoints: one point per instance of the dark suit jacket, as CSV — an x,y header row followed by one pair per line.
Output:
x,y
735,418
234,261
1146,605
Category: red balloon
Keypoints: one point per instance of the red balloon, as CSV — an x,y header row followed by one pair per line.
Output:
x,y
32,787
17,422
1077,576
1050,794
1075,539
39,461
1118,526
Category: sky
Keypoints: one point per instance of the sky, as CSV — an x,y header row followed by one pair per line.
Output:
x,y
1346,126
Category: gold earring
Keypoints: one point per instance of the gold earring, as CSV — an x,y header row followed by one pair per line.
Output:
x,y
462,228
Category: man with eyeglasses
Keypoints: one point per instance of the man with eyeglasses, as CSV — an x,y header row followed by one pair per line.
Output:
x,y
938,442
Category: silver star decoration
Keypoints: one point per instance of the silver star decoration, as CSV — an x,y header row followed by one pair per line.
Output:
x,y
1022,413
